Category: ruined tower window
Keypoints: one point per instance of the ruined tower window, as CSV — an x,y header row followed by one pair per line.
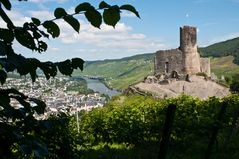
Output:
x,y
166,67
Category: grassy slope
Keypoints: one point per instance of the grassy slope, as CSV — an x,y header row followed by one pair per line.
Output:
x,y
120,73
225,48
224,66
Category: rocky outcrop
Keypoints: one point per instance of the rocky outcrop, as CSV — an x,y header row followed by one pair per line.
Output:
x,y
197,86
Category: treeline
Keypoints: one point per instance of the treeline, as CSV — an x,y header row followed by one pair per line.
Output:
x,y
226,48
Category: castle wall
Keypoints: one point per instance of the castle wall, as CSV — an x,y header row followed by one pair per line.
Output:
x,y
167,61
205,66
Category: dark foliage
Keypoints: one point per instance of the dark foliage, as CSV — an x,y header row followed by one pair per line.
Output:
x,y
21,134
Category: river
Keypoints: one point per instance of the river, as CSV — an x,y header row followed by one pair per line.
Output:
x,y
98,86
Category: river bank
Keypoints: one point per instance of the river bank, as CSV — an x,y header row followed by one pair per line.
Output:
x,y
99,85
104,81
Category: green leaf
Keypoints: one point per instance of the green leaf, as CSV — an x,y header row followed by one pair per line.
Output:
x,y
111,16
3,76
44,34
130,8
33,64
65,67
42,46
103,5
36,21
36,34
5,63
6,4
60,12
40,108
73,22
77,63
49,69
52,28
5,17
25,38
94,17
6,35
83,7
26,148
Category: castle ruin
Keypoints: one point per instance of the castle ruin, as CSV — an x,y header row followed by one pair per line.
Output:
x,y
185,59
179,71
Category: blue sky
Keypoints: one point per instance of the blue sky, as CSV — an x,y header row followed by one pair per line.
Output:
x,y
158,28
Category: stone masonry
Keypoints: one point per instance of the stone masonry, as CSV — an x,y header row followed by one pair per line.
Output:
x,y
185,59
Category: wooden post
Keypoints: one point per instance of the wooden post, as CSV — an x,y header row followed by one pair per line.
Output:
x,y
167,131
215,130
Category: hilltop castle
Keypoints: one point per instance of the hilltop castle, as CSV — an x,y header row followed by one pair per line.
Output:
x,y
177,72
185,59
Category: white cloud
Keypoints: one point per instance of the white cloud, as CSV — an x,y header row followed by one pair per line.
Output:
x,y
128,14
120,37
17,18
54,49
41,14
45,1
90,43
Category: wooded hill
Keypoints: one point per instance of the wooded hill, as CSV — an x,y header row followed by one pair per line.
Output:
x,y
120,73
221,49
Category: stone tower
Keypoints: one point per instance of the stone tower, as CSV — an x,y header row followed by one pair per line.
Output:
x,y
185,59
188,46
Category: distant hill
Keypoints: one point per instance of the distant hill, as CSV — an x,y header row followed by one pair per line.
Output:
x,y
120,73
224,66
221,49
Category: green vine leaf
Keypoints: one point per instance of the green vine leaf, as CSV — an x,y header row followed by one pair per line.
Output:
x,y
42,46
40,108
36,21
33,64
72,22
36,34
3,76
6,35
130,8
25,38
111,16
77,63
52,28
65,67
6,4
83,7
49,69
60,12
103,5
94,17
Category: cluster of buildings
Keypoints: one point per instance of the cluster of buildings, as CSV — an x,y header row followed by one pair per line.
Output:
x,y
55,94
